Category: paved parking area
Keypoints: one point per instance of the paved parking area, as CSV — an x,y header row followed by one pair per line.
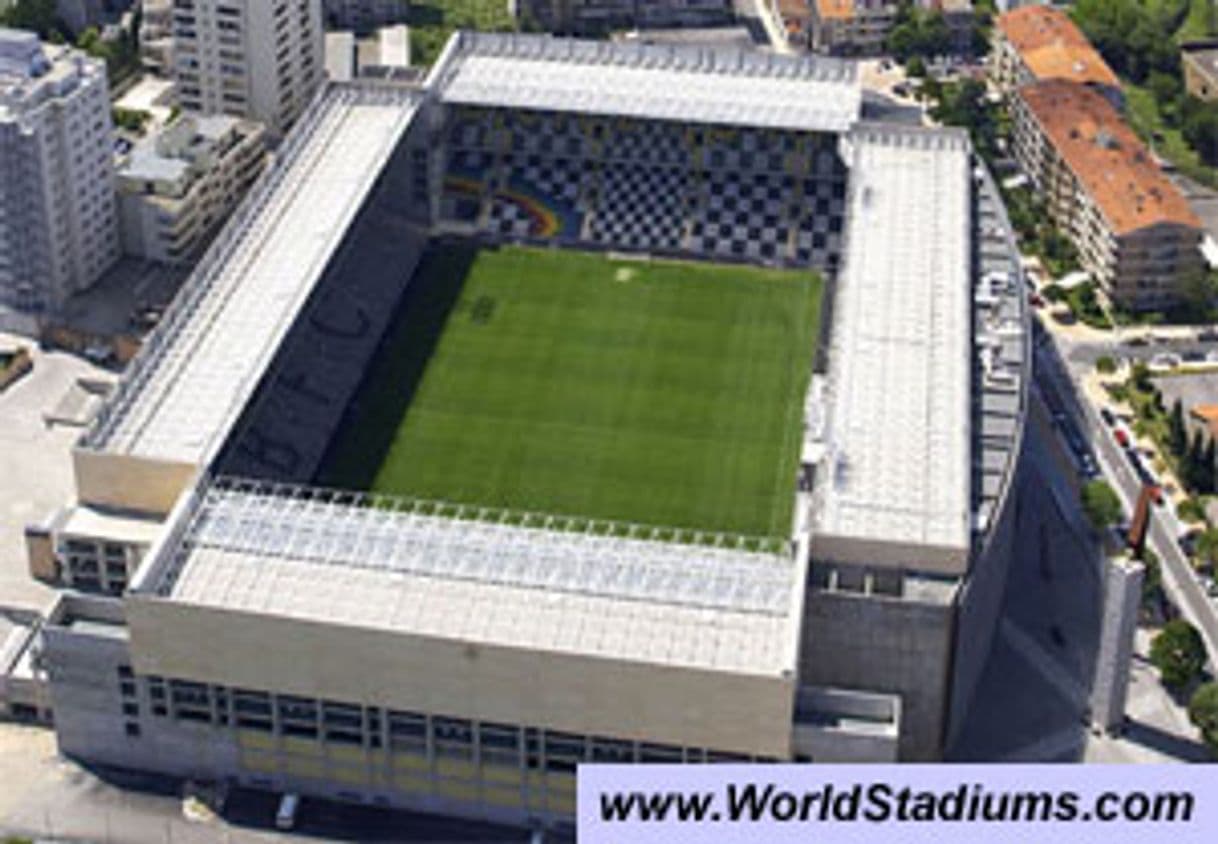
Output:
x,y
44,796
35,464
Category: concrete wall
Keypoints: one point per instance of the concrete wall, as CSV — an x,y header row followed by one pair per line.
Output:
x,y
569,692
980,610
129,483
893,645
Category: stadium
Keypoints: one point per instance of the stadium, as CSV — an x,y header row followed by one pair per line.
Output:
x,y
593,402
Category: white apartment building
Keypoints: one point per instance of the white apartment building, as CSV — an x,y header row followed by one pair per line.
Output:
x,y
176,187
58,226
261,59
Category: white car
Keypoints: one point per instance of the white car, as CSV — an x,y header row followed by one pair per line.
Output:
x,y
1165,362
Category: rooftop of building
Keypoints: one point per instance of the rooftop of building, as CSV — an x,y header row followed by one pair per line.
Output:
x,y
184,391
1053,47
1114,166
172,153
835,9
31,71
478,576
895,487
664,82
1203,56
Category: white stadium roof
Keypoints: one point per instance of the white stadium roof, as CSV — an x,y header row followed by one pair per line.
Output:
x,y
690,84
345,559
191,381
896,482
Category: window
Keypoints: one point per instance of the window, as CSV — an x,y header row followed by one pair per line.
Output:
x,y
612,750
132,729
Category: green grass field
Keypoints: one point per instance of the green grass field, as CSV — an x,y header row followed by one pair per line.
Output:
x,y
564,382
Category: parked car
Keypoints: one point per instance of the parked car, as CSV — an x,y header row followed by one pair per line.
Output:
x,y
1108,416
1122,437
1207,335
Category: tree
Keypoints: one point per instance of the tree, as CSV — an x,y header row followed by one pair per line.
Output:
x,y
1206,547
1199,125
1139,377
916,67
1197,293
40,16
1203,712
1179,654
1177,434
1100,504
1105,364
1192,468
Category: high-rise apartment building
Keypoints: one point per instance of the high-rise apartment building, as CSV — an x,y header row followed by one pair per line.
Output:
x,y
248,58
58,225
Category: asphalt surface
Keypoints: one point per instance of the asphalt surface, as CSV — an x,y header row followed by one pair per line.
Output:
x,y
1055,379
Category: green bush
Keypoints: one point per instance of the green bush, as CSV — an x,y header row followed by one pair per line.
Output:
x,y
1106,365
1100,504
1191,510
1203,712
1179,653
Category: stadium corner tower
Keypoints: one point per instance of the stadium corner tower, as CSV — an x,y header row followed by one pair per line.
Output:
x,y
231,619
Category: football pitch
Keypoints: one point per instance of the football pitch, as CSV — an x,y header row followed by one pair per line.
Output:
x,y
663,393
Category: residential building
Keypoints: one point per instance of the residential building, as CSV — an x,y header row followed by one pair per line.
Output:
x,y
365,15
1135,233
176,187
1200,63
58,226
261,59
1036,42
851,27
156,36
601,15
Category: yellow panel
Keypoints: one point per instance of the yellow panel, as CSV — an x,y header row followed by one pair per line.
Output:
x,y
412,785
457,790
414,761
348,754
301,746
261,762
502,797
308,768
561,803
502,773
342,773
253,738
456,768
560,782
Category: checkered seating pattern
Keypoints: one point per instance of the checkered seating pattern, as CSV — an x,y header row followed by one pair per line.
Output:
x,y
742,194
641,208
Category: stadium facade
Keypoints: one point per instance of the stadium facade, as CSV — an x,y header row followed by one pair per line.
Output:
x,y
462,660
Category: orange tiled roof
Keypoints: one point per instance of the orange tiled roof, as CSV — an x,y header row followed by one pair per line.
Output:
x,y
1207,414
1105,155
835,9
1052,47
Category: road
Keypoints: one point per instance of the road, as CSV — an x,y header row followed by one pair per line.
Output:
x,y
1054,377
